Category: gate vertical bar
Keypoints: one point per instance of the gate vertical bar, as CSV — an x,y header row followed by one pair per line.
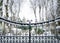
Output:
x,y
29,32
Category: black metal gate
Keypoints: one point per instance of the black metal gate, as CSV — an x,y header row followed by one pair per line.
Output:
x,y
30,38
25,39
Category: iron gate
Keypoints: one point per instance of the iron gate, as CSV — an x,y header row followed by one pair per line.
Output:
x,y
25,39
30,38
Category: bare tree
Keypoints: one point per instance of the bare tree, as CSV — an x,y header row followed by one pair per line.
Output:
x,y
34,5
6,17
51,14
58,11
10,2
16,6
41,3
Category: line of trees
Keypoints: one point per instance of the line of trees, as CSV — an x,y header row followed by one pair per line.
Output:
x,y
48,9
8,5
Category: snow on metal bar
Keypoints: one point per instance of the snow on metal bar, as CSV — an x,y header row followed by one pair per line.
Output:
x,y
55,20
13,22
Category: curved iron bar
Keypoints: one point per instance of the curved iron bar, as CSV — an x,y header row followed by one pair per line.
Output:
x,y
9,21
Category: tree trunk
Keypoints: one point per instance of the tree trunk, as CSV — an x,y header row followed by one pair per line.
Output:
x,y
39,13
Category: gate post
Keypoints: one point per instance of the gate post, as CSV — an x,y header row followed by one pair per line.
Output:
x,y
29,32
